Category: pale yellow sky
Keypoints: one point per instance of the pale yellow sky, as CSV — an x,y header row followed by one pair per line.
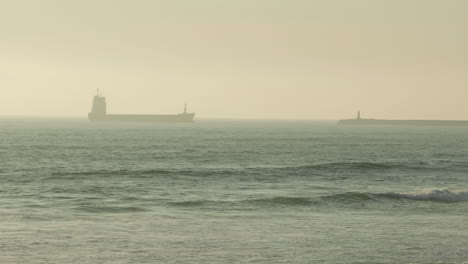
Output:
x,y
300,59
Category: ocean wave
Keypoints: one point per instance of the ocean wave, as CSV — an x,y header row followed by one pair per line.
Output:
x,y
283,200
110,209
337,199
274,171
361,166
334,165
247,202
142,173
277,201
432,195
192,203
353,165
104,172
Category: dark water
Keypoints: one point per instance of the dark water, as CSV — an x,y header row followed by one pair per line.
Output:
x,y
231,192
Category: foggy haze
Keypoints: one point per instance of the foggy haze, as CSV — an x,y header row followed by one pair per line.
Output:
x,y
298,59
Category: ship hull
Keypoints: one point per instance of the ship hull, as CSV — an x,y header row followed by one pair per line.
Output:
x,y
180,118
404,122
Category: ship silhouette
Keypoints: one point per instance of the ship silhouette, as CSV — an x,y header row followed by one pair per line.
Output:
x,y
99,114
369,121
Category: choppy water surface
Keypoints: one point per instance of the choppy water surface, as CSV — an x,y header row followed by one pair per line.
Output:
x,y
231,192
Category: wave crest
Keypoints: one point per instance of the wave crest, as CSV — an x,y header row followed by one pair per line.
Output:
x,y
111,209
432,195
345,199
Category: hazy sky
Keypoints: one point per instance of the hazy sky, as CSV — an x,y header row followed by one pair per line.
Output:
x,y
301,59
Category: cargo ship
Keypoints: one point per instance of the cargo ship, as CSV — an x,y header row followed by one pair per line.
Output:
x,y
99,114
364,121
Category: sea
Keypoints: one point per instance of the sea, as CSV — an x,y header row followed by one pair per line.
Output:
x,y
231,191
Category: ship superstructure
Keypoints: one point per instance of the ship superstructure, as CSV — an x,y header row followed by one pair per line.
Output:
x,y
99,114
